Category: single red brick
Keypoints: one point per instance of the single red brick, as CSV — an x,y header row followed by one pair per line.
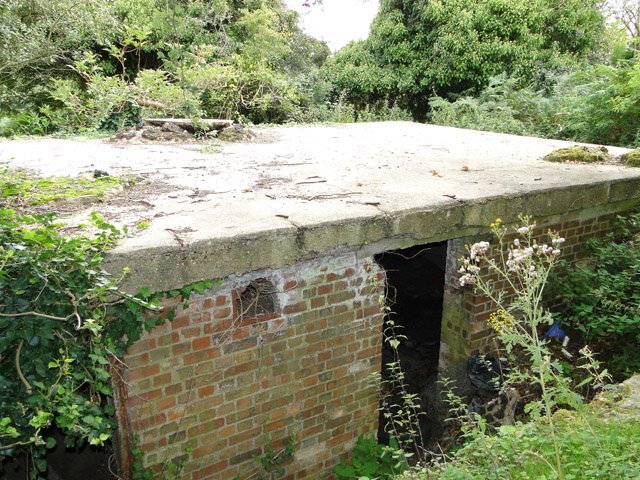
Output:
x,y
270,427
295,308
149,396
318,302
179,322
206,391
241,333
310,381
166,403
195,357
175,414
162,379
222,313
277,414
200,343
143,372
340,286
173,389
191,332
180,349
222,300
227,431
308,361
349,272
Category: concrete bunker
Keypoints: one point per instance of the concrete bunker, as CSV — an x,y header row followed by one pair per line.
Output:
x,y
415,279
310,210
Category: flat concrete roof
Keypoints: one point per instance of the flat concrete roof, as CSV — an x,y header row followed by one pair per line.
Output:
x,y
297,192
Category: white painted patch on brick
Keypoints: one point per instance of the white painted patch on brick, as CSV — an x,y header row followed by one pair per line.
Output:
x,y
310,454
356,367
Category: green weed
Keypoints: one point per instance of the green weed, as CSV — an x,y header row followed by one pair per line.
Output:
x,y
602,297
372,460
20,187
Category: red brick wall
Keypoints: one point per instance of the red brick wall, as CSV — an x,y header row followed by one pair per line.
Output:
x,y
465,330
214,387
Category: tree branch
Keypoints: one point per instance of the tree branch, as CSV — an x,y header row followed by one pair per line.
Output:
x,y
36,314
143,102
20,375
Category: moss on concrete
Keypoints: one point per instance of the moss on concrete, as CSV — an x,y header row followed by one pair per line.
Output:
x,y
631,159
579,154
19,187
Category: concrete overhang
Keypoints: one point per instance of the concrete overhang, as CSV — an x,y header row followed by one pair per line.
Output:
x,y
300,192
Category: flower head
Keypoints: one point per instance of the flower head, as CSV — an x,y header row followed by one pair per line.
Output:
x,y
479,250
468,279
501,321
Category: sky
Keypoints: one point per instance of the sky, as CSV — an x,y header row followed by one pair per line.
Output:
x,y
337,22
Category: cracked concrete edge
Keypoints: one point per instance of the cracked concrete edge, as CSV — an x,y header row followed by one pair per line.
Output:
x,y
164,268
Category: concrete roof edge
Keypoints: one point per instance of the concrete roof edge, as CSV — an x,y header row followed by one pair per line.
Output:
x,y
164,268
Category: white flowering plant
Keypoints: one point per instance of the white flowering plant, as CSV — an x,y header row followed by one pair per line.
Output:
x,y
512,275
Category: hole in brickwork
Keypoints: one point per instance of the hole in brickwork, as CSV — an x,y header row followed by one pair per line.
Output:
x,y
257,299
415,293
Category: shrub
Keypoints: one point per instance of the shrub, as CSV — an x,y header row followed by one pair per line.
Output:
x,y
383,111
603,297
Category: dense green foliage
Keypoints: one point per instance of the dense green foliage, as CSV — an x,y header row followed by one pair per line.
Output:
x,y
600,104
107,63
542,68
63,324
417,49
603,297
55,348
549,68
39,39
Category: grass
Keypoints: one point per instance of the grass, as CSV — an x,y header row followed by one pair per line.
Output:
x,y
595,444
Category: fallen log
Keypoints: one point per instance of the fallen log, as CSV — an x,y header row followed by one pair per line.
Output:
x,y
190,125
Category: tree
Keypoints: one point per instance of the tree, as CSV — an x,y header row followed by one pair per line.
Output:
x,y
446,47
626,12
39,39
88,66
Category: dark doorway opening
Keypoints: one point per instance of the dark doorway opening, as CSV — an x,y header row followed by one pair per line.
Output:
x,y
415,294
76,463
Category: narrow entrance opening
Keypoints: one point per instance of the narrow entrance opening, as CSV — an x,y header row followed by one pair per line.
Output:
x,y
415,292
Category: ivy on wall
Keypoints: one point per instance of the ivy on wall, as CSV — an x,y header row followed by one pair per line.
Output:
x,y
63,323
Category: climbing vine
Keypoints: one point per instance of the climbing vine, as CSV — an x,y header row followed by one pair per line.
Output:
x,y
64,323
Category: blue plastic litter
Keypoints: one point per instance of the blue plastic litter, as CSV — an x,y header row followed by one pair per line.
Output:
x,y
555,331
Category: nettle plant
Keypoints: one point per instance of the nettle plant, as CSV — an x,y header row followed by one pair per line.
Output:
x,y
524,265
64,323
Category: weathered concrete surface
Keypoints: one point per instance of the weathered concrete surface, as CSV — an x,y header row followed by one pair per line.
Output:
x,y
297,192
